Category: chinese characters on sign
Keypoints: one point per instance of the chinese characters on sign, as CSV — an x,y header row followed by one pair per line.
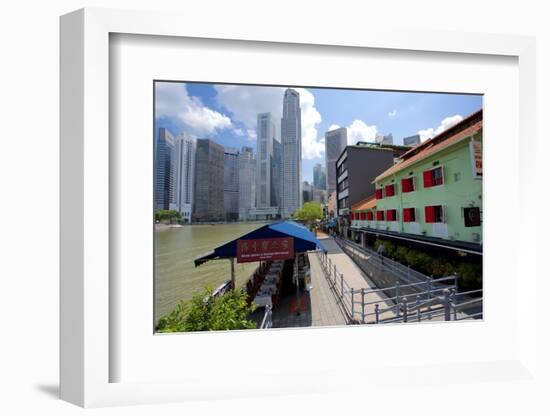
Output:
x,y
265,249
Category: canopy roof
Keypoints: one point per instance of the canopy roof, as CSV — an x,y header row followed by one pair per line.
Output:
x,y
304,240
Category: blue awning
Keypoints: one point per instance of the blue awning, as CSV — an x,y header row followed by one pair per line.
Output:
x,y
304,240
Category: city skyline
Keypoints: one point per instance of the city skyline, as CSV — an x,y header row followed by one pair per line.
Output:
x,y
227,114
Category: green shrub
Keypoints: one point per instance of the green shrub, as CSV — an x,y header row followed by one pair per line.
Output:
x,y
206,313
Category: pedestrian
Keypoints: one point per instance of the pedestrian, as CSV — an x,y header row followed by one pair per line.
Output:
x,y
381,252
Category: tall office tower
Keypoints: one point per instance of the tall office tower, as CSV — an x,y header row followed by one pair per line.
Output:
x,y
411,140
307,192
291,138
381,139
209,172
247,182
164,170
319,177
266,137
276,173
231,184
335,142
184,155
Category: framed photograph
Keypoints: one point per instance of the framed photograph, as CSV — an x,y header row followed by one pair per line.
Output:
x,y
279,206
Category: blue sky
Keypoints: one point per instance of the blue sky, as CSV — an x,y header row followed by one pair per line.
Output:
x,y
227,114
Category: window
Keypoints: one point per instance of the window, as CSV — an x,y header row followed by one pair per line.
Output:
x,y
433,177
409,215
378,194
363,216
379,215
407,185
434,213
391,215
370,216
390,190
472,217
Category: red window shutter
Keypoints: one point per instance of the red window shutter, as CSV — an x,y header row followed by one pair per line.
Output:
x,y
380,215
406,215
430,213
389,215
369,216
363,216
378,194
389,190
428,179
404,185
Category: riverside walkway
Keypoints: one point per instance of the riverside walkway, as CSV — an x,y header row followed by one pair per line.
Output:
x,y
354,277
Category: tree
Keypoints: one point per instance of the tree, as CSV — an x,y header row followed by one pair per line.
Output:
x,y
209,313
309,213
168,215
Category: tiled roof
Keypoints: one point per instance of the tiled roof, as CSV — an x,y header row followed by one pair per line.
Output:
x,y
436,144
364,204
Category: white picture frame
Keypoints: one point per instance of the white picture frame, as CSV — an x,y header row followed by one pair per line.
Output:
x,y
85,213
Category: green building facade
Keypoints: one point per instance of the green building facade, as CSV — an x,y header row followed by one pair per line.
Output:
x,y
434,194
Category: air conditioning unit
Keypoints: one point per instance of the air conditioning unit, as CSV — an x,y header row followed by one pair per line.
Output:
x,y
476,236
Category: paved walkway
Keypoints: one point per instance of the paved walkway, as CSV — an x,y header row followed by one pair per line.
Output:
x,y
356,279
325,306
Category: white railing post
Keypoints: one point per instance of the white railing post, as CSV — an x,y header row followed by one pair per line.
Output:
x,y
418,308
405,311
397,299
341,283
352,303
454,298
363,305
377,313
430,297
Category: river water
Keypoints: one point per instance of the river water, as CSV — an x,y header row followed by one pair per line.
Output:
x,y
177,278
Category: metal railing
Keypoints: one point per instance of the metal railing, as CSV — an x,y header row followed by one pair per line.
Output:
x,y
426,299
267,320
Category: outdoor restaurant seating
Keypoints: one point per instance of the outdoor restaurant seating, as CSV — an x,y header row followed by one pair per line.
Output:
x,y
264,286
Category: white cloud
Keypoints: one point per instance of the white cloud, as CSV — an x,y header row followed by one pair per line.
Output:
x,y
252,136
239,132
359,131
246,102
172,100
446,123
333,127
392,113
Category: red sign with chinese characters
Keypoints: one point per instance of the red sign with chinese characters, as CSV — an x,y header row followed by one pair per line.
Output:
x,y
265,249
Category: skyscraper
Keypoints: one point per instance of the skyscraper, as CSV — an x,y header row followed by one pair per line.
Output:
x,y
319,176
411,140
335,142
266,137
247,182
231,184
209,172
184,155
164,170
291,139
276,173
381,139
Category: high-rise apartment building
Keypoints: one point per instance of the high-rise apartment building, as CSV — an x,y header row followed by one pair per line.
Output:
x,y
209,175
247,182
231,184
319,177
291,140
335,142
264,160
184,157
164,170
